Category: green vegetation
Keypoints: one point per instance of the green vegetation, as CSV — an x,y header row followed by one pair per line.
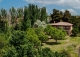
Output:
x,y
71,45
58,16
41,34
25,33
56,34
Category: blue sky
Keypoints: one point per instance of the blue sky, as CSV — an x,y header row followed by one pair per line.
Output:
x,y
72,5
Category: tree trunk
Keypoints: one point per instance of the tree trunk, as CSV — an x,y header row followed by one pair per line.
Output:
x,y
56,41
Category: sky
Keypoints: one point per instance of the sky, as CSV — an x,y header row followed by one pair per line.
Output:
x,y
72,5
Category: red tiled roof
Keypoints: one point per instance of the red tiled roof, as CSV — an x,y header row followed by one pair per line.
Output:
x,y
62,23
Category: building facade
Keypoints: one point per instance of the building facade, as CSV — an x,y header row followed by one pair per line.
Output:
x,y
65,25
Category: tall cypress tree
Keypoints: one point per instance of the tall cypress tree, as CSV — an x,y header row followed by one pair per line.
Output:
x,y
43,14
26,22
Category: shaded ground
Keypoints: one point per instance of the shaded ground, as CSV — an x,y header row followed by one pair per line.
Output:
x,y
70,44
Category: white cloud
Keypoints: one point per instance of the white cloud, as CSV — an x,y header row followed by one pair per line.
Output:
x,y
63,10
71,3
73,12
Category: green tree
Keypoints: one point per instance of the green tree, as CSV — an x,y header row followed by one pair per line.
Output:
x,y
66,16
13,14
10,52
56,16
17,38
3,20
26,22
76,25
56,34
3,26
43,14
75,31
41,34
48,30
32,13
32,36
3,13
20,13
19,46
19,19
46,52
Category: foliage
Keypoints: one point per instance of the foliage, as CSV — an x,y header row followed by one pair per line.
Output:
x,y
48,29
41,34
24,44
13,14
56,34
39,30
43,37
32,36
36,13
43,14
65,53
66,16
2,26
56,16
25,50
38,23
46,52
17,38
3,40
9,52
3,13
75,31
19,46
20,12
26,23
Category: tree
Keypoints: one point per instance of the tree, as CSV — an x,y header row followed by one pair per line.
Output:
x,y
16,41
20,13
3,20
56,16
46,52
17,38
56,34
3,26
76,25
38,24
3,13
16,17
10,52
43,14
12,17
61,16
66,16
26,22
32,36
19,46
33,11
75,31
41,34
48,30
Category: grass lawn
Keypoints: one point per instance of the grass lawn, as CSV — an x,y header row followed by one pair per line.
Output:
x,y
71,44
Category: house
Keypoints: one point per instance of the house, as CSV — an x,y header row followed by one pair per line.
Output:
x,y
65,25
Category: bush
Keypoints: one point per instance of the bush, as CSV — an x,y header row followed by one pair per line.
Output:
x,y
65,53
